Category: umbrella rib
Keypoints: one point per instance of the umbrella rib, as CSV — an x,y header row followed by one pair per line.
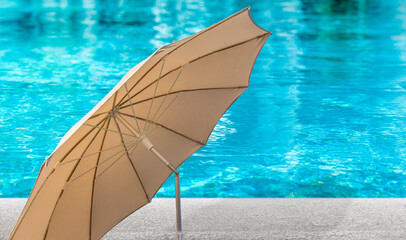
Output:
x,y
155,121
158,124
110,130
94,178
91,154
132,107
162,113
185,90
52,171
196,35
114,101
140,91
93,128
95,171
166,96
129,159
132,145
156,87
125,123
101,163
25,213
67,180
191,61
96,115
228,47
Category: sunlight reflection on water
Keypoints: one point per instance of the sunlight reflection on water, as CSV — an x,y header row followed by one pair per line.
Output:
x,y
324,116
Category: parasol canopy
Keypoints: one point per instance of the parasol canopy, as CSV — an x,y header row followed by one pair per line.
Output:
x,y
110,163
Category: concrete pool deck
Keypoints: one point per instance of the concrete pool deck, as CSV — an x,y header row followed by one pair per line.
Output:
x,y
252,219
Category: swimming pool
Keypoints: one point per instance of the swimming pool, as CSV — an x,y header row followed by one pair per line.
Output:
x,y
324,116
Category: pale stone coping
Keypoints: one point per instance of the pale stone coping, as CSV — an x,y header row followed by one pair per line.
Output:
x,y
256,218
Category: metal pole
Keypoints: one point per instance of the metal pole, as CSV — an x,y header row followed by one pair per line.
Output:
x,y
179,235
150,147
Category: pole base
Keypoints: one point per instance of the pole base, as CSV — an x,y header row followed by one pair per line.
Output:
x,y
179,236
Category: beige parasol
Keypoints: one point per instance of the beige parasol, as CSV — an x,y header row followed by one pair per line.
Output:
x,y
163,110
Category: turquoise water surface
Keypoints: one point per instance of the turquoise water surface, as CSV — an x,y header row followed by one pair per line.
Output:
x,y
324,116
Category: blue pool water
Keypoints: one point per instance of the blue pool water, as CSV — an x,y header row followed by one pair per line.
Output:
x,y
324,116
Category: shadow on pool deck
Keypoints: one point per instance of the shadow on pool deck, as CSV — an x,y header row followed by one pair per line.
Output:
x,y
253,219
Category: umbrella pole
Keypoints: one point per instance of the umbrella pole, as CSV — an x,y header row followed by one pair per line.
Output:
x,y
150,146
179,235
